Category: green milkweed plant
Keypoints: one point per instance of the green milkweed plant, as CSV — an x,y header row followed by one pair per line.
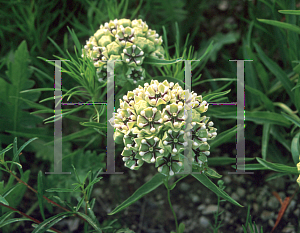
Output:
x,y
129,43
151,123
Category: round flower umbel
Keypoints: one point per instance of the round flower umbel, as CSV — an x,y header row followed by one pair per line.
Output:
x,y
174,141
157,93
150,120
129,157
169,165
151,149
126,42
173,115
133,55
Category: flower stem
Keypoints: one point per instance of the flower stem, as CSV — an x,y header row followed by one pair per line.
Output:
x,y
27,216
169,200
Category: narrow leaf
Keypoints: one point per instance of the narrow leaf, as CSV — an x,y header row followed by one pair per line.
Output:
x,y
283,25
151,185
278,167
210,185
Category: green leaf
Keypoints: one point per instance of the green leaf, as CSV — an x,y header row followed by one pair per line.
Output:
x,y
156,61
267,102
212,96
93,182
220,161
261,117
209,48
181,228
210,185
9,221
5,216
16,195
276,70
41,193
295,148
224,137
11,107
2,200
91,222
48,223
283,25
61,190
278,167
265,140
100,126
212,173
9,147
290,12
255,166
151,185
79,204
77,177
295,121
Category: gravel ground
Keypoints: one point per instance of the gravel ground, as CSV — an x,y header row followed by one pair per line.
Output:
x,y
195,205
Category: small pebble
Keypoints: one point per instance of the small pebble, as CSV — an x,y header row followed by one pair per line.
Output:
x,y
204,222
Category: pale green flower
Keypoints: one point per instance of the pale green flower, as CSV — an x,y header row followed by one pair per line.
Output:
x,y
127,41
152,122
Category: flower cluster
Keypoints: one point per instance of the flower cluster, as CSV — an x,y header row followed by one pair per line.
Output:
x,y
152,124
127,41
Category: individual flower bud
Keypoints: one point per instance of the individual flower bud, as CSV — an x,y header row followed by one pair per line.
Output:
x,y
152,160
171,172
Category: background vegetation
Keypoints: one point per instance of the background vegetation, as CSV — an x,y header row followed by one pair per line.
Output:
x,y
262,30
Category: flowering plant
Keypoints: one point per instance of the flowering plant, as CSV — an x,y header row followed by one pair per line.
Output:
x,y
152,124
126,41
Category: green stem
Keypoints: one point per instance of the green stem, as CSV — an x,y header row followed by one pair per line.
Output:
x,y
169,200
216,218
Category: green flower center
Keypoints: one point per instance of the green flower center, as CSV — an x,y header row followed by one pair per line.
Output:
x,y
151,149
125,35
132,138
174,114
135,75
175,140
197,134
133,54
169,164
150,119
131,157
